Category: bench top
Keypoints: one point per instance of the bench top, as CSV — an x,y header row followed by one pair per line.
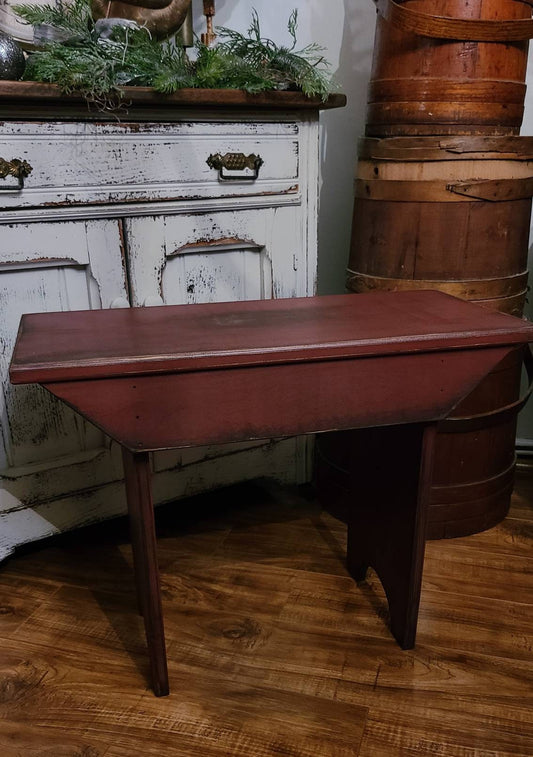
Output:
x,y
66,346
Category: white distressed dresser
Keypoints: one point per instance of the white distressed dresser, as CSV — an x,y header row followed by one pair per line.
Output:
x,y
136,210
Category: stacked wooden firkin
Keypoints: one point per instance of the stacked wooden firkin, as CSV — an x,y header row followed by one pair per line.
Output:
x,y
443,201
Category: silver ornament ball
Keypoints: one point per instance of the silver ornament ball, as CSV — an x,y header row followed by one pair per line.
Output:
x,y
12,61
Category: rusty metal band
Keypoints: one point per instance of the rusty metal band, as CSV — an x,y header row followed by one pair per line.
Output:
x,y
473,289
446,27
491,190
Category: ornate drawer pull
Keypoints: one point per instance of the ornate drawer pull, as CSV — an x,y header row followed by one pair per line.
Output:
x,y
235,161
19,169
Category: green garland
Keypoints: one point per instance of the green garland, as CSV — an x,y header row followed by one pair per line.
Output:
x,y
98,68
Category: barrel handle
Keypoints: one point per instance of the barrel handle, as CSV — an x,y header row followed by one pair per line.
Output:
x,y
500,415
494,190
462,30
409,190
411,149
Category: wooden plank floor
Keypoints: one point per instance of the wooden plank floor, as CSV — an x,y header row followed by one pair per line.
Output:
x,y
273,650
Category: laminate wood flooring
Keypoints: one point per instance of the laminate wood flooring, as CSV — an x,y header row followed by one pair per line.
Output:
x,y
273,649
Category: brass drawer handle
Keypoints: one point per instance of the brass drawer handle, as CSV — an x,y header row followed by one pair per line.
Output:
x,y
19,169
235,161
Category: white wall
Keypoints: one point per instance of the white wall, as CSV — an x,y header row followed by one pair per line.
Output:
x,y
346,29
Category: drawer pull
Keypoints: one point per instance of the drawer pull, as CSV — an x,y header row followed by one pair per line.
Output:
x,y
19,169
235,161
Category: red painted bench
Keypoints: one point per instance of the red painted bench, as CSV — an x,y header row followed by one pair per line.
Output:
x,y
181,376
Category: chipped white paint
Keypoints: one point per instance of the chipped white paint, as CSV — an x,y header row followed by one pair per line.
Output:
x,y
46,449
207,240
88,163
216,256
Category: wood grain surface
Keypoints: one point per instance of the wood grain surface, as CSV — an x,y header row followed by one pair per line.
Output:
x,y
89,344
19,91
272,647
433,84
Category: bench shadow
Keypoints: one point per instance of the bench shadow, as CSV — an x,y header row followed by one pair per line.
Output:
x,y
98,557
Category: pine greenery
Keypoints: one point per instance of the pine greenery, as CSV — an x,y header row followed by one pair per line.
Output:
x,y
283,67
74,17
99,68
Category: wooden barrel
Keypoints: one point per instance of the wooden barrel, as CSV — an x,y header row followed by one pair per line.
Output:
x,y
473,476
474,469
449,67
453,216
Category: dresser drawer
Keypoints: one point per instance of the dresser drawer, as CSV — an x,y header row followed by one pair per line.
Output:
x,y
100,163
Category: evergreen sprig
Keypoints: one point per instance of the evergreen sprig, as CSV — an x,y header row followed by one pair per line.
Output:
x,y
284,67
73,16
217,68
100,68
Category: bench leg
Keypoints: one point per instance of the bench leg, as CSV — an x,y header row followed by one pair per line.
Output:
x,y
141,511
391,478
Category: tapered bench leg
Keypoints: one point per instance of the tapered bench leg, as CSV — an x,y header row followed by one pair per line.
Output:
x,y
391,478
141,511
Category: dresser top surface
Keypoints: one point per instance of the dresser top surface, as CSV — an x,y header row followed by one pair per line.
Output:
x,y
37,99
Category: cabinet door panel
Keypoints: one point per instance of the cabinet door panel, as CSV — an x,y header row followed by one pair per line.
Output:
x,y
236,270
50,267
213,257
35,426
216,256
